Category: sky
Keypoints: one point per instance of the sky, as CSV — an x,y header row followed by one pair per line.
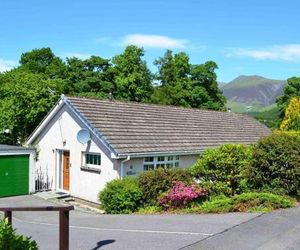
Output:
x,y
244,37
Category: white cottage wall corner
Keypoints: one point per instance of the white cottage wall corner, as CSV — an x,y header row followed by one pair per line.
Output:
x,y
60,134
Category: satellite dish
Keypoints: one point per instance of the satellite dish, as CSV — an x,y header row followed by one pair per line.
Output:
x,y
83,136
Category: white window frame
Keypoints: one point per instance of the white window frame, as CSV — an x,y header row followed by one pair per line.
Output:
x,y
155,162
90,167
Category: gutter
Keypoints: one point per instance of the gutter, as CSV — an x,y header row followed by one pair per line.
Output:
x,y
122,165
134,155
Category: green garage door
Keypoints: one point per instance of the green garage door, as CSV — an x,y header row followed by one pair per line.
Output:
x,y
14,175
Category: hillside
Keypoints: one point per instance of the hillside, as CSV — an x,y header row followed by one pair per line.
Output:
x,y
269,116
252,92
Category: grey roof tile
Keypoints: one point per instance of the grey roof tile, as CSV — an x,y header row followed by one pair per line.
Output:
x,y
146,128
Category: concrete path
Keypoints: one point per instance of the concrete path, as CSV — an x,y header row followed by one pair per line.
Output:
x,y
92,231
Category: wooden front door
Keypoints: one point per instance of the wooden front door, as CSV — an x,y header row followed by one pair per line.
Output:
x,y
66,170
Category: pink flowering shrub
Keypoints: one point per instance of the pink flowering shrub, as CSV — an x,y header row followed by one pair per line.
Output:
x,y
180,195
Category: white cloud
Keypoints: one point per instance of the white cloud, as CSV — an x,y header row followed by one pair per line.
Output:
x,y
103,40
154,41
288,52
78,55
6,65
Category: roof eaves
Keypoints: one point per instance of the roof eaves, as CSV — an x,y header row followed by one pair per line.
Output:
x,y
15,150
6,148
144,154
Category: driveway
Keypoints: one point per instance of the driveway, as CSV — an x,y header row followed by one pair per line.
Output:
x,y
225,231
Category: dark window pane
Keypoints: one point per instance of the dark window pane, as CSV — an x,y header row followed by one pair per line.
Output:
x,y
149,159
160,158
87,159
169,165
160,165
170,158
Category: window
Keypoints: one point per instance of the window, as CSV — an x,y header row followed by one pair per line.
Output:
x,y
92,159
91,162
169,161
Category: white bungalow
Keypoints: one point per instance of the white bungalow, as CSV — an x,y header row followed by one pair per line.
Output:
x,y
84,143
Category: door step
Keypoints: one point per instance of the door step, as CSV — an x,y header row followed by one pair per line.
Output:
x,y
48,195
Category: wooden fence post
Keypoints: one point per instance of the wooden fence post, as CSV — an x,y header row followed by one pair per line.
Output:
x,y
64,212
64,230
7,214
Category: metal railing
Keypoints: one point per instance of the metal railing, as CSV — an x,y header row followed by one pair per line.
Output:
x,y
63,219
42,180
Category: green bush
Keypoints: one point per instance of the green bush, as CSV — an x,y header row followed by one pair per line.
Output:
x,y
9,240
224,170
121,196
155,182
276,164
246,202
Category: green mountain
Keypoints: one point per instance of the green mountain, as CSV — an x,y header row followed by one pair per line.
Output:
x,y
252,93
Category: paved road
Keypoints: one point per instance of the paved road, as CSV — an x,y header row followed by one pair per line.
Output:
x,y
91,231
279,230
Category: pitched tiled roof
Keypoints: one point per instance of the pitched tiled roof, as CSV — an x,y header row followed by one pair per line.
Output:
x,y
132,128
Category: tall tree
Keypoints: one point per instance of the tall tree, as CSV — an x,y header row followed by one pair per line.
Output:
x,y
174,76
205,91
43,61
292,89
132,77
90,77
187,85
25,98
28,92
291,121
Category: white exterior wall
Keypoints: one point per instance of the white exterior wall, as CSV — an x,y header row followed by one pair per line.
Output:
x,y
136,165
32,172
133,167
186,161
60,134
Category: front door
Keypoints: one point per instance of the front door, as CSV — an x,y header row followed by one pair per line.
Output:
x,y
66,170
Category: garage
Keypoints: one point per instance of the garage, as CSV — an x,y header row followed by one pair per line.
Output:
x,y
16,170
